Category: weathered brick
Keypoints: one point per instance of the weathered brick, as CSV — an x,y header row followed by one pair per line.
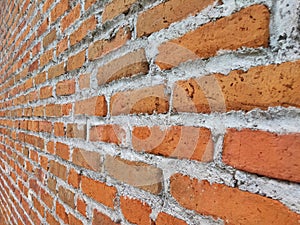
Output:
x,y
145,100
128,65
76,130
58,169
66,196
74,178
46,57
107,133
135,211
49,38
246,28
53,110
46,92
62,150
264,153
176,141
73,220
76,61
82,31
61,212
65,87
81,206
98,191
166,219
45,126
95,106
62,46
259,87
162,15
59,10
87,159
59,129
116,7
88,3
70,18
56,70
40,78
230,204
84,81
103,47
138,174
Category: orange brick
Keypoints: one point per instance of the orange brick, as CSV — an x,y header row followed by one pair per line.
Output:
x,y
50,147
84,81
81,206
98,191
145,100
116,7
230,204
76,130
46,92
82,31
162,15
61,212
49,38
56,70
74,178
176,141
46,198
107,133
248,27
53,110
47,5
58,169
40,78
62,46
166,219
128,65
59,129
74,221
46,57
137,174
43,27
76,61
65,87
103,47
93,106
87,159
62,150
59,10
66,196
259,87
263,153
135,211
100,218
45,126
51,220
70,18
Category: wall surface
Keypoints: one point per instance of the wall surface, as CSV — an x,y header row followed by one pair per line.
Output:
x,y
150,112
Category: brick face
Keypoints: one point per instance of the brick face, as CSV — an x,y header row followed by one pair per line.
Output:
x,y
263,153
230,204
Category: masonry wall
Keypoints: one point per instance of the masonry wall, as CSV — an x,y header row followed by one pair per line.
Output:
x,y
150,112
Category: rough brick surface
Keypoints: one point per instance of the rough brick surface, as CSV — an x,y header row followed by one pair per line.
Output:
x,y
166,219
263,153
92,106
247,28
230,204
179,142
107,133
116,7
89,160
163,15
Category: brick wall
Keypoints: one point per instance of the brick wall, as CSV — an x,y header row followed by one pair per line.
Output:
x,y
166,112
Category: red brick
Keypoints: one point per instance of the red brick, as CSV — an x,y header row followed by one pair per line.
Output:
x,y
40,78
135,211
47,198
58,169
166,219
176,141
230,204
47,5
45,126
87,159
145,100
61,212
59,10
259,87
246,28
81,206
62,46
43,27
70,18
66,196
74,221
95,106
51,220
107,133
137,174
65,87
128,65
49,38
56,70
46,57
162,15
264,153
62,150
116,7
100,218
82,31
98,191
76,130
102,47
46,92
53,110
76,61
